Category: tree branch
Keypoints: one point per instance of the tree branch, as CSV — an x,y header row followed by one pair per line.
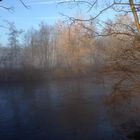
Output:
x,y
26,6
92,5
92,18
10,9
74,1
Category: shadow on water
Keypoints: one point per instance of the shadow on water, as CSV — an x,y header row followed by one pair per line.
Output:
x,y
55,110
124,107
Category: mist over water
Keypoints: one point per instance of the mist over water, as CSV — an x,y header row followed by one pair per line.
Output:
x,y
72,110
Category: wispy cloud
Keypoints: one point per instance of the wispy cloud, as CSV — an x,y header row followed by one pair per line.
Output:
x,y
37,18
47,2
50,17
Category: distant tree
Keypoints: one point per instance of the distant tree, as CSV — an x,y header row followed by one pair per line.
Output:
x,y
14,34
75,46
38,46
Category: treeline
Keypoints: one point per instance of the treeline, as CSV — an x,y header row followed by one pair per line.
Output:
x,y
66,50
59,50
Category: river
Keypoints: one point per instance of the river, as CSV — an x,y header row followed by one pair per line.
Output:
x,y
56,110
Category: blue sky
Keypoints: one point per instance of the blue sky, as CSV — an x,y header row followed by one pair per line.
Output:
x,y
40,10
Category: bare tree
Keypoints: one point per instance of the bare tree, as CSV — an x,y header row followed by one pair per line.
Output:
x,y
38,49
14,44
76,46
119,6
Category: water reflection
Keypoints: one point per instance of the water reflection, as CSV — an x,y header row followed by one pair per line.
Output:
x,y
124,109
66,110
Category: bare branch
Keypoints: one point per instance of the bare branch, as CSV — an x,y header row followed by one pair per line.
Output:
x,y
10,9
74,1
116,33
1,26
110,6
90,19
92,5
133,30
26,6
126,4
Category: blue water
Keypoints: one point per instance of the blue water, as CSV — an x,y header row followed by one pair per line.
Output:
x,y
55,110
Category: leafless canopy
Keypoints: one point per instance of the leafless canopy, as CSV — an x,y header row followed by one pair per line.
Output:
x,y
95,8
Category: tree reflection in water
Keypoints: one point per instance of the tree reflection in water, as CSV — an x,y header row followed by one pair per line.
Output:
x,y
124,106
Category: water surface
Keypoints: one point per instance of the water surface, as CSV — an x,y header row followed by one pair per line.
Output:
x,y
55,110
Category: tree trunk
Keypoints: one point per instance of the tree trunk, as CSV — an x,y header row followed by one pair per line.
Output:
x,y
135,15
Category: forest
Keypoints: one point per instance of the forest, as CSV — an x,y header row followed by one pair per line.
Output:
x,y
69,50
77,47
